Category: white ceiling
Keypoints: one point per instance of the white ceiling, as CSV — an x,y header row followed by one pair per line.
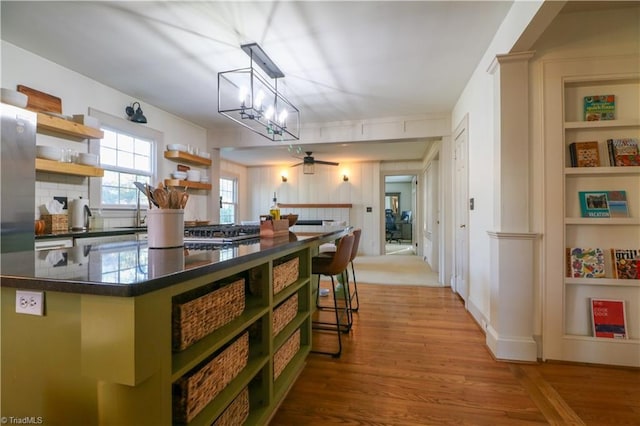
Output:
x,y
342,60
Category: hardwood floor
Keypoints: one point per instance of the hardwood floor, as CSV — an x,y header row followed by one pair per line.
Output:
x,y
415,356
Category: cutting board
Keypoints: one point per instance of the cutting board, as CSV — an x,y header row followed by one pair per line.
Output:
x,y
40,101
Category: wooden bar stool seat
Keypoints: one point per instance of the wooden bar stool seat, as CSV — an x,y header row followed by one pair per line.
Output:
x,y
331,266
354,302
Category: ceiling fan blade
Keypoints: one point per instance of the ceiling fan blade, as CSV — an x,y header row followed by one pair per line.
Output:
x,y
299,164
328,163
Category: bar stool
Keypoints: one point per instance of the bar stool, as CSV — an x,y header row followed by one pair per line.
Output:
x,y
354,252
330,266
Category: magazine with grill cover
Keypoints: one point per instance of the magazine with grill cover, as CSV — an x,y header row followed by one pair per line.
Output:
x,y
609,318
626,263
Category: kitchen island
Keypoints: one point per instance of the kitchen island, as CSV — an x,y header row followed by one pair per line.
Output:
x,y
119,342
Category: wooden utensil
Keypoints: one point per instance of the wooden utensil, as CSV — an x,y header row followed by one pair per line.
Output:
x,y
161,197
174,199
184,197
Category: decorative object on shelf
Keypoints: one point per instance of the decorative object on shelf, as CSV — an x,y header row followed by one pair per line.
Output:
x,y
603,203
135,114
584,154
609,318
623,152
585,262
247,98
626,263
599,107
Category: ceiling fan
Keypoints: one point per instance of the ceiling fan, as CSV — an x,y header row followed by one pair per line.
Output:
x,y
308,163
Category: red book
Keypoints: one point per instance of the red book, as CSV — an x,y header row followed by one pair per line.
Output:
x,y
609,319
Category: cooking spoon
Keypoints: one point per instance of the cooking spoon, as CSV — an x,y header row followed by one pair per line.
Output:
x,y
161,198
174,199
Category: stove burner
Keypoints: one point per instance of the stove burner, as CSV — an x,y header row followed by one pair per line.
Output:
x,y
212,234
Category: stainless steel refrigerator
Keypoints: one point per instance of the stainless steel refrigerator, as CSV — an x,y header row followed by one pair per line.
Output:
x,y
17,181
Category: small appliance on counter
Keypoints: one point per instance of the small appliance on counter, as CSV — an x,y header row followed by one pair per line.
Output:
x,y
80,214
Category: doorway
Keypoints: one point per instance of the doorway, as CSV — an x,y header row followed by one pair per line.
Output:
x,y
400,204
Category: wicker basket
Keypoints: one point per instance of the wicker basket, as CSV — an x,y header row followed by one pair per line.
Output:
x,y
193,391
285,274
285,313
55,222
196,318
285,354
237,412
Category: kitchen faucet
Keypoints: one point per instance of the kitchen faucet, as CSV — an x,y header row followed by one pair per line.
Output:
x,y
139,220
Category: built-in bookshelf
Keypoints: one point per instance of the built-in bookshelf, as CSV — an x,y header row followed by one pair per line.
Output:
x,y
568,333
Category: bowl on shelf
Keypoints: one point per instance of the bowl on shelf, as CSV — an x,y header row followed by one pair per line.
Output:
x,y
87,158
176,147
292,218
179,175
48,152
13,97
193,175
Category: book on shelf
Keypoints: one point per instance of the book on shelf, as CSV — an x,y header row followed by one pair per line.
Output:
x,y
585,262
603,203
626,263
623,152
584,154
608,318
599,107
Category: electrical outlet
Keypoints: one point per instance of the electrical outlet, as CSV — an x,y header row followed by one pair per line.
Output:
x,y
30,302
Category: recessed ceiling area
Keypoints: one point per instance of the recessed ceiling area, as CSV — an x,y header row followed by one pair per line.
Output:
x,y
289,154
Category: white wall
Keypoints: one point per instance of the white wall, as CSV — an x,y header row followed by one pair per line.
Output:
x,y
565,37
477,102
78,93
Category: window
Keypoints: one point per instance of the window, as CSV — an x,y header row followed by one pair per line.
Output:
x,y
125,159
228,200
127,155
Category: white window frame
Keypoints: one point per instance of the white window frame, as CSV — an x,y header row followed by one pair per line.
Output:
x,y
234,203
123,126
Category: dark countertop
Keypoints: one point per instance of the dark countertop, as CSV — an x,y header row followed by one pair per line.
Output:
x,y
106,232
130,268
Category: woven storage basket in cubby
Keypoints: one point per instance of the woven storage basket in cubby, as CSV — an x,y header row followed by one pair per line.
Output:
x,y
285,354
193,391
196,318
285,313
285,274
237,412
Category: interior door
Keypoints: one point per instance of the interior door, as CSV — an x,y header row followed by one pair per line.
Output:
x,y
461,257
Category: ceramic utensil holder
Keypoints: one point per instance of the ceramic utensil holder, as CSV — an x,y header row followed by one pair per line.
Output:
x,y
165,228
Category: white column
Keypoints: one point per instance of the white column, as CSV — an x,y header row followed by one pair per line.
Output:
x,y
510,328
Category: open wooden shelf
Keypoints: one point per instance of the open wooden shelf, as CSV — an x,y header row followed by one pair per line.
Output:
x,y
68,168
187,184
60,127
317,206
187,158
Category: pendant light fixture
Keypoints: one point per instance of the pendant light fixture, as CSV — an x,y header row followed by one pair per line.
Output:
x,y
250,100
